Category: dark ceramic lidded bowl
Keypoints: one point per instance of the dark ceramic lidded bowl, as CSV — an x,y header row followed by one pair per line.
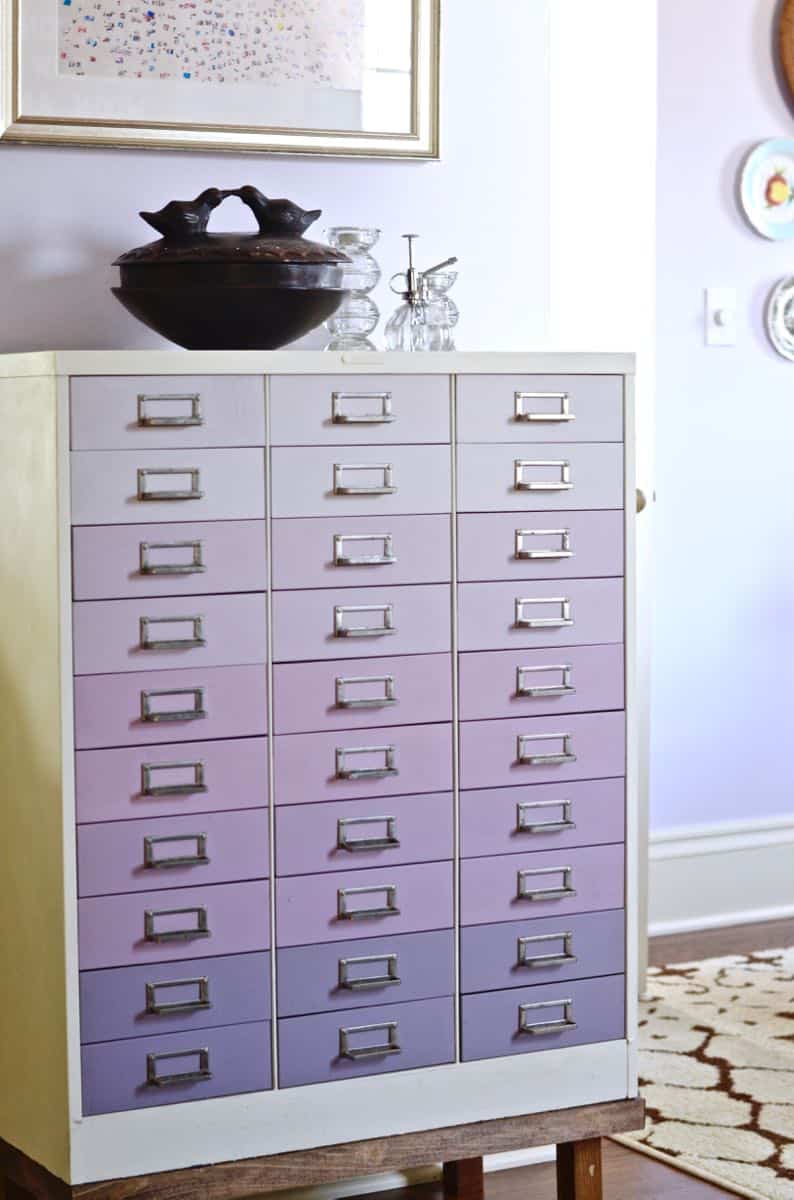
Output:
x,y
231,291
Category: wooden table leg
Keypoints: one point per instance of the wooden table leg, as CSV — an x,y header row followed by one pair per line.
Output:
x,y
579,1170
463,1179
12,1191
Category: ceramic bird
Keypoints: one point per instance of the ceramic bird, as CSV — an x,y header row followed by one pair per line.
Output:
x,y
277,216
185,218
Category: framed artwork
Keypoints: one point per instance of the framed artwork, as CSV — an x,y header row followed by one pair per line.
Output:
x,y
349,77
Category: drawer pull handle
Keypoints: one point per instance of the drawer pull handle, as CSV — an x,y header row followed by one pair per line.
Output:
x,y
198,786
537,1028
391,1046
341,488
195,567
189,643
194,492
199,930
386,841
386,559
536,962
525,824
200,1073
563,484
198,859
528,759
194,417
159,1009
563,621
387,771
526,891
387,700
389,909
363,631
522,553
196,713
548,418
564,688
340,417
364,983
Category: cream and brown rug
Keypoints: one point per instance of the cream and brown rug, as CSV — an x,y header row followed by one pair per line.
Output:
x,y
717,1071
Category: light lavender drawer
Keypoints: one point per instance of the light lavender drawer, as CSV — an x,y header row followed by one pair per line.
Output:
x,y
513,887
229,1062
339,837
532,546
360,480
528,683
361,622
409,966
526,478
545,817
416,688
172,852
573,612
127,1002
540,408
334,552
349,765
552,950
171,780
542,750
313,909
117,561
347,410
195,485
197,922
124,412
495,1024
169,706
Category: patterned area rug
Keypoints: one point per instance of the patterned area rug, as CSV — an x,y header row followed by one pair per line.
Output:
x,y
717,1071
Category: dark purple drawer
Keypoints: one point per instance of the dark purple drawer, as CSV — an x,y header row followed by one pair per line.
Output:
x,y
579,545
327,1046
542,750
411,966
516,615
229,1062
158,998
495,1024
551,950
530,683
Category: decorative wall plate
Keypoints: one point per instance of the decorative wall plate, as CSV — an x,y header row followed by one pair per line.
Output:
x,y
780,317
767,188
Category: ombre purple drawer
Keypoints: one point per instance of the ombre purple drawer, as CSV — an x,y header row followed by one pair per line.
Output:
x,y
409,966
531,478
172,852
526,683
169,706
540,408
575,612
366,1041
415,688
312,909
197,922
532,546
513,887
229,1061
127,1002
551,950
127,487
542,750
363,833
348,410
545,817
162,634
550,1017
171,780
119,561
120,412
364,762
334,552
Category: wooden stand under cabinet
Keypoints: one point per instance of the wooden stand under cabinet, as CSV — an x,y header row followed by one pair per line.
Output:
x,y
319,839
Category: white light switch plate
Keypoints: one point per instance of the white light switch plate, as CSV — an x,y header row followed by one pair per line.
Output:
x,y
721,305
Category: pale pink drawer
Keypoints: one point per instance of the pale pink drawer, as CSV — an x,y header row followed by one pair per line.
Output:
x,y
360,480
117,561
172,852
529,478
169,706
364,762
506,546
529,683
323,410
576,612
540,408
361,622
414,689
162,634
171,780
124,412
542,750
334,552
127,487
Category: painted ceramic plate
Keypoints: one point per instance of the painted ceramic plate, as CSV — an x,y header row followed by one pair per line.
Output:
x,y
767,188
780,317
